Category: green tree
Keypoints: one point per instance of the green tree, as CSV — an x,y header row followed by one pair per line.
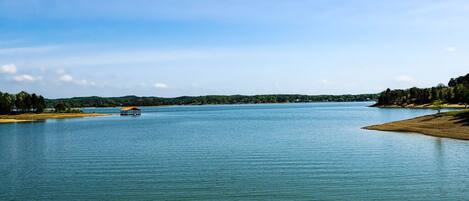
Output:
x,y
7,103
38,103
452,82
465,97
41,105
60,107
438,105
23,102
34,101
434,94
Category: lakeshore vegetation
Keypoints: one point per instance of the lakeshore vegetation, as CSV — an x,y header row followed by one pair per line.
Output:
x,y
95,101
23,102
454,124
25,107
456,92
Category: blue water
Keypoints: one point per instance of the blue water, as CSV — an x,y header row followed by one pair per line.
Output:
x,y
236,152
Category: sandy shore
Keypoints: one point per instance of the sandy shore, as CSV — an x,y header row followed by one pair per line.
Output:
x,y
453,124
43,116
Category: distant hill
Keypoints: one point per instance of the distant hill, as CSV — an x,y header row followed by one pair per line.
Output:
x,y
456,92
95,101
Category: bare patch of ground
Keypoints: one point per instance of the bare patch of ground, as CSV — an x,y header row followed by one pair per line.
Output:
x,y
453,124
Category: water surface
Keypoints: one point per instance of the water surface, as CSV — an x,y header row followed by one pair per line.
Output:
x,y
231,152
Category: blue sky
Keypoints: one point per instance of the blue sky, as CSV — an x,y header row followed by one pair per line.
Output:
x,y
185,47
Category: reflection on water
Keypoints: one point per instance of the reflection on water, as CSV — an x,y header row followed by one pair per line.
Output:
x,y
439,149
238,152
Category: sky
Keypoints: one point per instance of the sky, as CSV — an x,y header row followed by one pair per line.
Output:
x,y
172,48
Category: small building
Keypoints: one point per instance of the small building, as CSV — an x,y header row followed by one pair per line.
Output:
x,y
132,111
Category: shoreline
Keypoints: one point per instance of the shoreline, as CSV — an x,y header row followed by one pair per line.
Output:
x,y
31,117
424,106
454,124
234,104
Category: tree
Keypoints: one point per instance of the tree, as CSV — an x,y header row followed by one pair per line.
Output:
x,y
7,103
38,103
41,105
60,107
440,85
452,82
434,93
465,97
23,102
34,101
459,93
453,93
438,105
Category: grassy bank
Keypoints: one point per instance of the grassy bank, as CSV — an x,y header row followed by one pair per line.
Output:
x,y
423,106
28,117
454,124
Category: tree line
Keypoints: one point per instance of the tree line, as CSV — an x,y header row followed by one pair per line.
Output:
x,y
22,102
95,101
456,92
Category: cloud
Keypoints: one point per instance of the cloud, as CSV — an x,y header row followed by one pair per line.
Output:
x,y
85,83
324,81
451,49
66,78
69,79
26,78
161,86
404,78
8,68
22,50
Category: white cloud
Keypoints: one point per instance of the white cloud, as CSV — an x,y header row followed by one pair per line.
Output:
x,y
404,78
324,81
66,78
69,79
22,50
161,86
85,83
26,78
8,68
451,49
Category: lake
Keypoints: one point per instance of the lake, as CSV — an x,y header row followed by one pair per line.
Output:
x,y
311,151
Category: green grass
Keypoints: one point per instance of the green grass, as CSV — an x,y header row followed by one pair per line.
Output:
x,y
457,112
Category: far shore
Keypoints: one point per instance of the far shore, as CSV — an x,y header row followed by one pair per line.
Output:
x,y
423,106
454,124
216,104
30,117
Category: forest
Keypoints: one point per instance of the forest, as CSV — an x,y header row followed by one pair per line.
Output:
x,y
456,92
22,102
95,101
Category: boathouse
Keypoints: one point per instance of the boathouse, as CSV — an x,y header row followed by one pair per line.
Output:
x,y
133,111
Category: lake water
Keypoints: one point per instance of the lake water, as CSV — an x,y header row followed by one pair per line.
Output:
x,y
231,152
